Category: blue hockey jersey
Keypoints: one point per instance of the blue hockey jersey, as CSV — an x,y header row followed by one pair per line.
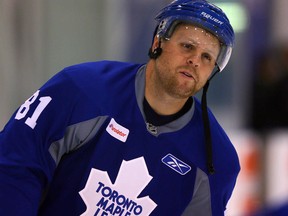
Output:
x,y
80,145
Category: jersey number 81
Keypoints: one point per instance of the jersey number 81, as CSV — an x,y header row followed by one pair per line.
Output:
x,y
24,108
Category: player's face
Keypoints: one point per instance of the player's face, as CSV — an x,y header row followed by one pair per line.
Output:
x,y
187,60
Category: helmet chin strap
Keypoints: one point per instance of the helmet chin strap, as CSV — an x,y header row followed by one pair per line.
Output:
x,y
207,132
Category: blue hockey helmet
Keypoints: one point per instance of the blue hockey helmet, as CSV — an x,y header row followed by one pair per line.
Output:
x,y
202,14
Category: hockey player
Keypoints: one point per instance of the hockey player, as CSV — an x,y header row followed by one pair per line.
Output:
x,y
115,138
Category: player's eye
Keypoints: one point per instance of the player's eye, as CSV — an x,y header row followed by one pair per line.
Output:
x,y
188,46
207,57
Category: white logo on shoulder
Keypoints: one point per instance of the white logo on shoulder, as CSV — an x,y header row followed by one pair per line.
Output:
x,y
117,131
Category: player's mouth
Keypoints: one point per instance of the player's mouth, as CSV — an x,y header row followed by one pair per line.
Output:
x,y
188,75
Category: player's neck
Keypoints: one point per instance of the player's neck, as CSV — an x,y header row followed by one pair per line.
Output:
x,y
164,106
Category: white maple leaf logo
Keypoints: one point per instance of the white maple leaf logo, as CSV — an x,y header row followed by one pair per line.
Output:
x,y
102,197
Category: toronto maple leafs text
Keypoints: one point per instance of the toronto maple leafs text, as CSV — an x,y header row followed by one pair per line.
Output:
x,y
113,203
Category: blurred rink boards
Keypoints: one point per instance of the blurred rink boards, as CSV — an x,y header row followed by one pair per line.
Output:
x,y
263,179
277,168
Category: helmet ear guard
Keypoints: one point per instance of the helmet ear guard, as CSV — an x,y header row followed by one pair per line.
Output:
x,y
155,53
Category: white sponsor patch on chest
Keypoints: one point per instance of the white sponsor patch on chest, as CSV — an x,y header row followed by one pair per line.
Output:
x,y
117,131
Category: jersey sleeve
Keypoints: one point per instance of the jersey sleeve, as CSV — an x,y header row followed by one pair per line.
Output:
x,y
26,165
224,179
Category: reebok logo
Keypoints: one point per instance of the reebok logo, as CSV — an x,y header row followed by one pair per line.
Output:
x,y
117,131
176,164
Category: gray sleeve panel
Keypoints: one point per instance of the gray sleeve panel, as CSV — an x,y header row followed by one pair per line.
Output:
x,y
76,136
200,204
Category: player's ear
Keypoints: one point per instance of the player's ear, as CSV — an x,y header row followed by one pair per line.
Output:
x,y
155,50
156,42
